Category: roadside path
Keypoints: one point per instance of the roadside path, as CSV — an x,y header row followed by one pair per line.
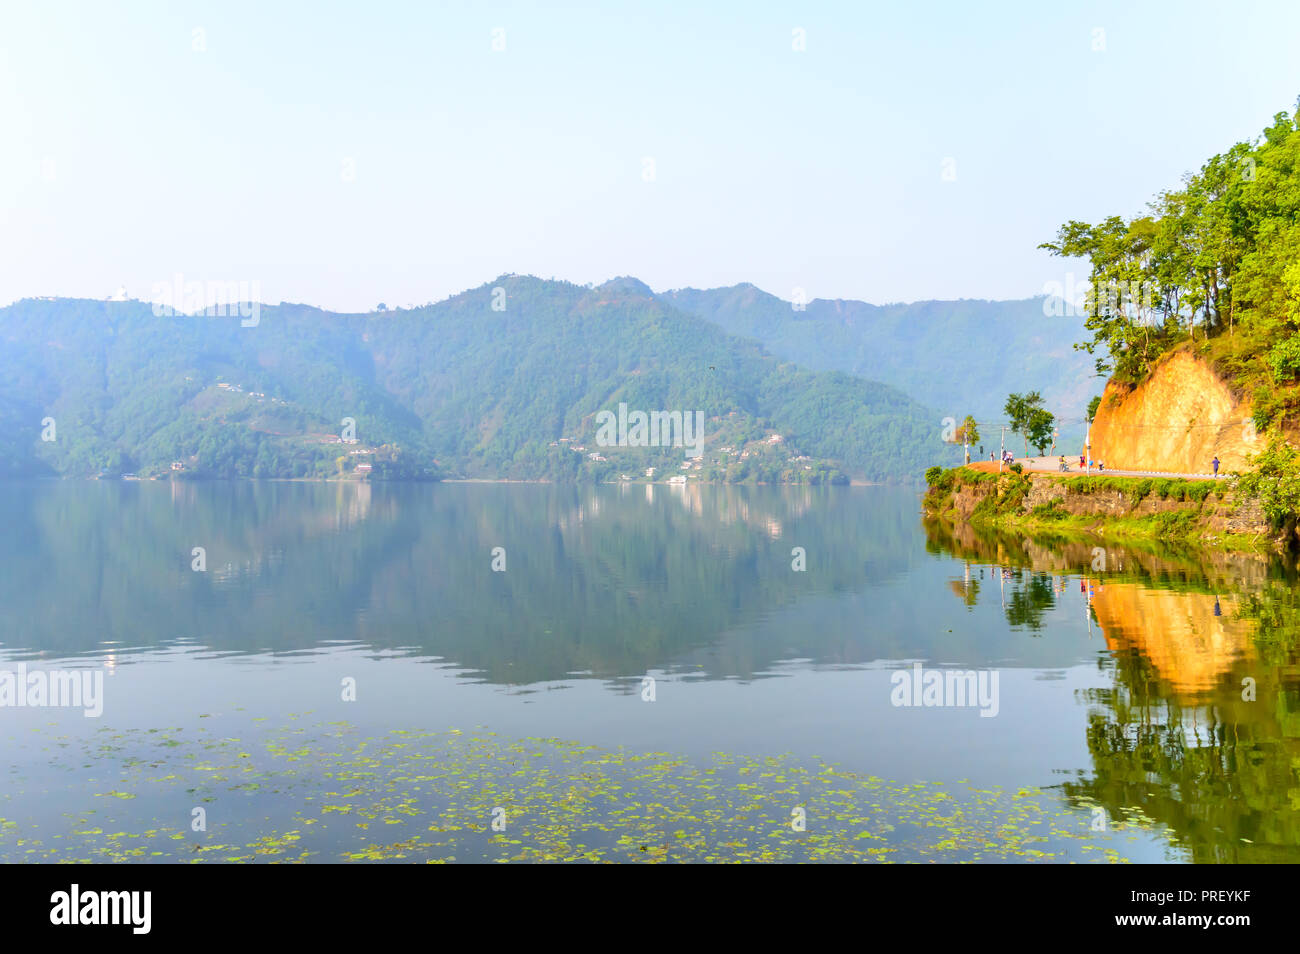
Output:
x,y
1051,465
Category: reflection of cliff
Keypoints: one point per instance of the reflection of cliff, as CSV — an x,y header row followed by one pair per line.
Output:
x,y
1191,647
1176,737
1172,735
1176,421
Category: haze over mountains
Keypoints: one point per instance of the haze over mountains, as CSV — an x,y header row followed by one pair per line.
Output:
x,y
508,384
958,357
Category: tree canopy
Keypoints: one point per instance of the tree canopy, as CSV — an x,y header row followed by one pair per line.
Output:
x,y
1029,419
1216,261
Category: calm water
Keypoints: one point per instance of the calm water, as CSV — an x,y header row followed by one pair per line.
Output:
x,y
1120,731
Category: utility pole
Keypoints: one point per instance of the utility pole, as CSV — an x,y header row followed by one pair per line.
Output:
x,y
1002,454
1087,446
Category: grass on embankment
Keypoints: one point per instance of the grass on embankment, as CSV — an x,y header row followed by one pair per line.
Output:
x,y
1003,505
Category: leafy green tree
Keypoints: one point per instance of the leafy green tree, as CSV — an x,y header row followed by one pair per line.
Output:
x,y
1028,418
1216,258
1038,429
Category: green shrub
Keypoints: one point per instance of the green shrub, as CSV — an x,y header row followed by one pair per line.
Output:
x,y
1276,481
1013,492
1284,359
1140,490
1165,488
1051,510
1267,406
1178,523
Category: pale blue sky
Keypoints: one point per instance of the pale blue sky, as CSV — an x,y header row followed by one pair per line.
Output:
x,y
129,156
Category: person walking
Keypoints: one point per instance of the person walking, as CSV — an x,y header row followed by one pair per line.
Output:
x,y
1215,463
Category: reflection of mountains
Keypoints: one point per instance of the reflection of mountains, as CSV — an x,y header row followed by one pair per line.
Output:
x,y
1200,729
609,580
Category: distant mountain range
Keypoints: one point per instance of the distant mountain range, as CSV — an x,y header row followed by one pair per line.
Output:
x,y
508,381
958,357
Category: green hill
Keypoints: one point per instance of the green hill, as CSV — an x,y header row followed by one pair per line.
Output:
x,y
960,357
457,388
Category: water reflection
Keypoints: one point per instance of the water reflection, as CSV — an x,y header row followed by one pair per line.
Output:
x,y
1199,727
606,581
1154,679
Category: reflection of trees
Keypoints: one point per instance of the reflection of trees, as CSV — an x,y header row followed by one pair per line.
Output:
x,y
966,589
1031,597
1154,562
1172,737
1221,774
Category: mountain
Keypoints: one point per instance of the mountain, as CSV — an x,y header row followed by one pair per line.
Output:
x,y
960,357
506,380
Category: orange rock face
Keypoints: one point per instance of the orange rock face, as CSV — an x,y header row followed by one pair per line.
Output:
x,y
1177,420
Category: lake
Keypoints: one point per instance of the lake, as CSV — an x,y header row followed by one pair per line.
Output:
x,y
464,672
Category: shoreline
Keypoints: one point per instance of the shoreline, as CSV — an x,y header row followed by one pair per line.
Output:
x,y
1203,512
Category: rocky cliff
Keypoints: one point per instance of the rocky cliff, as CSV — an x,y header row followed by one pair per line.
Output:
x,y
1176,421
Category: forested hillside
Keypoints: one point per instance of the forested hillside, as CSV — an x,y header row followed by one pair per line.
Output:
x,y
960,357
500,381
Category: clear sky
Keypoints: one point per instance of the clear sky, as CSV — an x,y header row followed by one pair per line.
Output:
x,y
347,154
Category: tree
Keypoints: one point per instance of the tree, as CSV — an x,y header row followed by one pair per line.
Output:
x,y
1038,429
967,433
1092,408
1219,253
1021,412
